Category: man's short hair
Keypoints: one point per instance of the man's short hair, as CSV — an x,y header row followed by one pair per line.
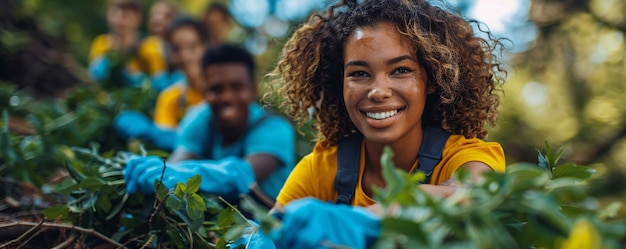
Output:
x,y
228,53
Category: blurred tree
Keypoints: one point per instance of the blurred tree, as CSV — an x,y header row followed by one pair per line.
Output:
x,y
568,87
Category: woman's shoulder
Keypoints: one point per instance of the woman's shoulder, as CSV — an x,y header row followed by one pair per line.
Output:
x,y
460,149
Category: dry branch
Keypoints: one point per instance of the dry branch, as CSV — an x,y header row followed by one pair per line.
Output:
x,y
42,224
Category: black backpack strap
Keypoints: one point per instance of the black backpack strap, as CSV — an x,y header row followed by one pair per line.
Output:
x,y
433,142
348,158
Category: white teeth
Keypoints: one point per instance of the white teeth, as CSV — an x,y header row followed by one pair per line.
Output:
x,y
381,115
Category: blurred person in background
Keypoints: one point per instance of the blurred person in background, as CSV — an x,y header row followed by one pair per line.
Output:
x,y
217,20
188,41
122,57
236,146
161,15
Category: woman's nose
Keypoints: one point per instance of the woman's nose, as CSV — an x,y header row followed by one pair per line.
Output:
x,y
379,91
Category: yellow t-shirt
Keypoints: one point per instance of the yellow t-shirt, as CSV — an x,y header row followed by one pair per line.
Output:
x,y
150,57
314,175
172,106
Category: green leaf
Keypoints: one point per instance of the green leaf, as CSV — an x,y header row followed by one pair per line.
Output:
x,y
226,218
193,184
54,212
235,232
463,175
196,222
557,157
396,180
195,203
92,183
525,176
66,187
173,202
573,170
573,211
222,244
180,190
74,173
548,150
567,189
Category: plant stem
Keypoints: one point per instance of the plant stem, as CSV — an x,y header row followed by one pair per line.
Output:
x,y
37,225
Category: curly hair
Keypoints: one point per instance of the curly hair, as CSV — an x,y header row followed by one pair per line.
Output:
x,y
462,68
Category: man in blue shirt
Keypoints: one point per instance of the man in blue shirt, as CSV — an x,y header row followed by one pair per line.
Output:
x,y
230,141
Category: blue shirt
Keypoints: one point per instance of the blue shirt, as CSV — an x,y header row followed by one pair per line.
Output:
x,y
274,136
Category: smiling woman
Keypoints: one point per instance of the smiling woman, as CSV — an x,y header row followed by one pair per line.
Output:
x,y
402,74
384,90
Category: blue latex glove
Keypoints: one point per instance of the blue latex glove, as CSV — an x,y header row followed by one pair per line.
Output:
x,y
253,238
99,68
311,223
227,177
132,124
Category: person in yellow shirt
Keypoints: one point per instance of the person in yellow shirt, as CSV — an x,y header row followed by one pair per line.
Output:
x,y
122,56
188,41
399,73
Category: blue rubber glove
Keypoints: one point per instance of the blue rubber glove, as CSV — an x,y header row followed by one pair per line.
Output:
x,y
311,223
253,238
230,176
132,124
99,68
